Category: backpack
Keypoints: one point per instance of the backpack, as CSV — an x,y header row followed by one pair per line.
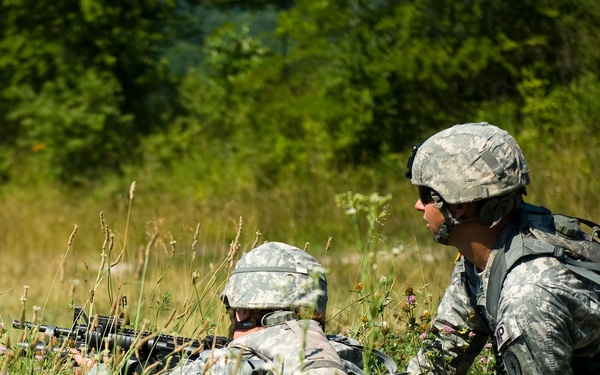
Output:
x,y
546,233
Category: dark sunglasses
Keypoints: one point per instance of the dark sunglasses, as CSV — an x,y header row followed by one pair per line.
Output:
x,y
426,194
411,160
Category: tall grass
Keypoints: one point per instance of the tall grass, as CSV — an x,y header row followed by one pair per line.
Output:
x,y
171,259
167,246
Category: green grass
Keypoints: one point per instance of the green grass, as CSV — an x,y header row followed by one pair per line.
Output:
x,y
169,240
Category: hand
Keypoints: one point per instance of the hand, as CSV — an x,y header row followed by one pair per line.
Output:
x,y
82,362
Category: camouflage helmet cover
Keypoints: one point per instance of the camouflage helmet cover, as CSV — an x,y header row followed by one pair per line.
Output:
x,y
275,276
470,162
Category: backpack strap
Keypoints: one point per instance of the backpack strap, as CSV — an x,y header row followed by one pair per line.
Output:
x,y
534,241
506,258
585,269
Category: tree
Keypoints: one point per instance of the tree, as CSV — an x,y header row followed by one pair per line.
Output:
x,y
83,80
396,71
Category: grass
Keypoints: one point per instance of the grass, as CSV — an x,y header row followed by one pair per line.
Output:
x,y
168,248
74,250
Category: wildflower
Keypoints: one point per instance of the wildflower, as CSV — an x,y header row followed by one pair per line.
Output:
x,y
358,287
488,345
484,360
423,335
396,250
2,349
405,307
411,300
447,330
472,334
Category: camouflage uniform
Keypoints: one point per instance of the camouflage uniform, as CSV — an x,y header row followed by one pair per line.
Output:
x,y
547,318
277,277
293,347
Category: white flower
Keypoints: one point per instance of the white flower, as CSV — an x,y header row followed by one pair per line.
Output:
x,y
351,211
396,250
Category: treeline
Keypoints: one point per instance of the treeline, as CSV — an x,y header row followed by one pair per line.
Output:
x,y
255,90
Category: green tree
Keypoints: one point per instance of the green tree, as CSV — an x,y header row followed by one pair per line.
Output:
x,y
395,71
83,80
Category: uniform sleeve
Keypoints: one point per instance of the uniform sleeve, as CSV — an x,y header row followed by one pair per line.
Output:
x,y
457,335
533,337
220,361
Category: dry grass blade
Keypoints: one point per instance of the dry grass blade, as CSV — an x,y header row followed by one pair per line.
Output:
x,y
257,237
234,248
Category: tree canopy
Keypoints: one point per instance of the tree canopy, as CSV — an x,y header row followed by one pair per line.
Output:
x,y
274,87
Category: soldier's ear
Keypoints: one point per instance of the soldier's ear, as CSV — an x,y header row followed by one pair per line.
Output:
x,y
464,211
458,210
242,315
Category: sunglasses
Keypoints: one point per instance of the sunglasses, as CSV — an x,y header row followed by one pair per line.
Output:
x,y
427,195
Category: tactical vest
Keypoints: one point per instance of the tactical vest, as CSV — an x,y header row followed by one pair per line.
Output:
x,y
338,353
546,234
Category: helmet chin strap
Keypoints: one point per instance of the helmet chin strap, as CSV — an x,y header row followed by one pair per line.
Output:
x,y
443,235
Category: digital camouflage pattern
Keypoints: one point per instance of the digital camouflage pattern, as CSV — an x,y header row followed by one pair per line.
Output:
x,y
548,318
293,347
290,348
470,162
531,299
275,276
576,242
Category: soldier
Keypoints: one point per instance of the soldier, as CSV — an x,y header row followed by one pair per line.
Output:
x,y
276,298
524,277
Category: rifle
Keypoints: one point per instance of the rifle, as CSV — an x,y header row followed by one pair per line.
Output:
x,y
142,349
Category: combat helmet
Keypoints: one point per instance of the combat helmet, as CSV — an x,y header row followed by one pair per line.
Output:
x,y
472,162
277,276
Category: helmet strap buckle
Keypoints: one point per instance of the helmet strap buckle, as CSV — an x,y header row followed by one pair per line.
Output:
x,y
277,317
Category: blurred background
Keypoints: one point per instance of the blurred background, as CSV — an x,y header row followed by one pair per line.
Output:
x,y
266,111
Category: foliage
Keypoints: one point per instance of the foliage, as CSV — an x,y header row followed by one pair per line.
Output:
x,y
336,84
83,80
223,113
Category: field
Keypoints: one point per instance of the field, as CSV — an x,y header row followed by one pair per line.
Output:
x,y
170,254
